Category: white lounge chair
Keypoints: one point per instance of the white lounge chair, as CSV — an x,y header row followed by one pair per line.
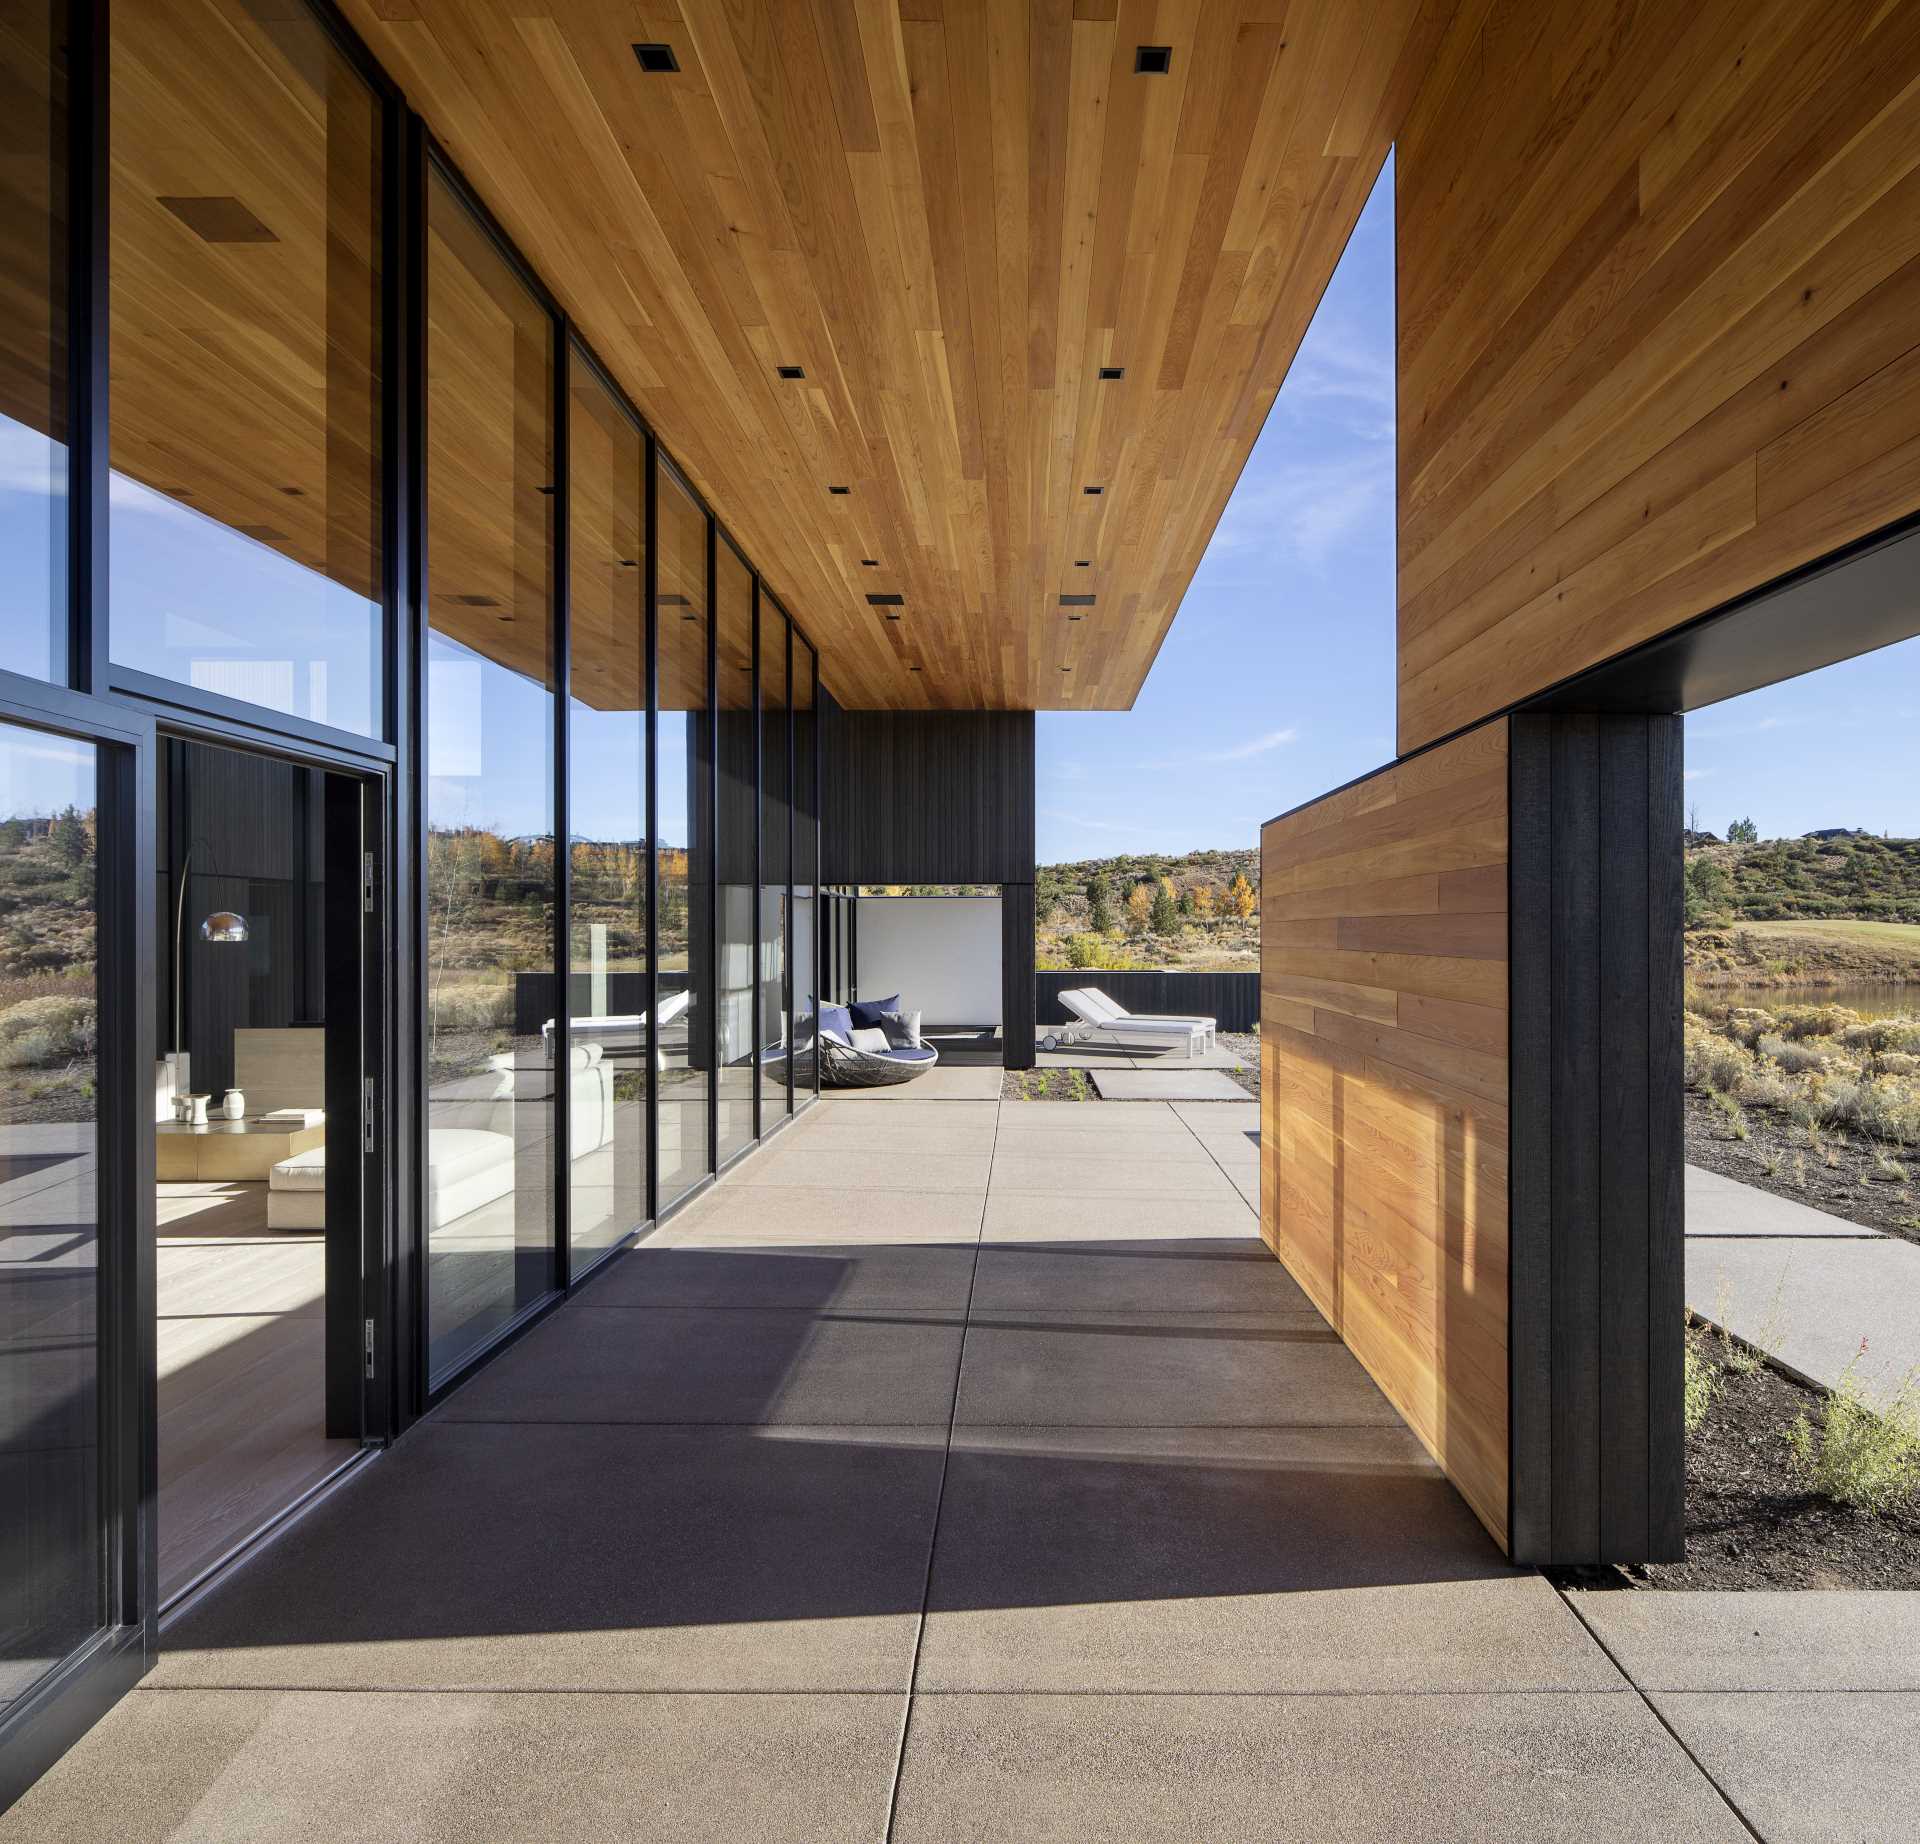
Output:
x,y
1098,1019
1113,1009
620,1030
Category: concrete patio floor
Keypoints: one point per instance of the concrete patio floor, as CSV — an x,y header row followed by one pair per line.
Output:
x,y
954,1470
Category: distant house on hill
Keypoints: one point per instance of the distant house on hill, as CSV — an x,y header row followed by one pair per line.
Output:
x,y
1839,832
1690,838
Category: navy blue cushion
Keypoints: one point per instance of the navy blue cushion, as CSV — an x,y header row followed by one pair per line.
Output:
x,y
836,1018
866,1013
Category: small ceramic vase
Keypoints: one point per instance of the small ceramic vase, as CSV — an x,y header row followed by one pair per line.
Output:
x,y
235,1105
197,1110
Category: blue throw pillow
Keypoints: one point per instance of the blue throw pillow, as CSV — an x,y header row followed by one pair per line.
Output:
x,y
837,1018
866,1013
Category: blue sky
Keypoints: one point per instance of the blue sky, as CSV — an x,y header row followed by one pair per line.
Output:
x,y
1275,683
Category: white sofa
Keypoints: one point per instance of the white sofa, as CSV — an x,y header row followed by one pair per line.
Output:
x,y
470,1140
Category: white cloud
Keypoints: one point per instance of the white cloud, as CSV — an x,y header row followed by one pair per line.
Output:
x,y
1302,512
1240,752
1697,774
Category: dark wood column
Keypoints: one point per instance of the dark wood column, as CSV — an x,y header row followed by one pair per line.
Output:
x,y
1597,1200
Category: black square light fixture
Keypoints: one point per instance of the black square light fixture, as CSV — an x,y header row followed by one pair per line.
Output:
x,y
840,490
1076,601
1152,60
1083,563
886,601
656,60
1111,372
1093,492
790,371
869,563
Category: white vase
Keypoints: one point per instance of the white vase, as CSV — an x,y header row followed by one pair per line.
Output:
x,y
235,1105
197,1110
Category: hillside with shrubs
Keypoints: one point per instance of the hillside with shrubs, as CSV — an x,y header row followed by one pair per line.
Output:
x,y
1199,912
49,1020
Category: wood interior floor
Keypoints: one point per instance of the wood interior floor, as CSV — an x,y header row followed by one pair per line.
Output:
x,y
241,1366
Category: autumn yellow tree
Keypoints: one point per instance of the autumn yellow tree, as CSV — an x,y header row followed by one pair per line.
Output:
x,y
1139,907
1240,895
1204,898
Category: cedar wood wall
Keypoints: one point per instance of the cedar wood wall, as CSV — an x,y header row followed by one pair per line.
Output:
x,y
1383,1126
1659,324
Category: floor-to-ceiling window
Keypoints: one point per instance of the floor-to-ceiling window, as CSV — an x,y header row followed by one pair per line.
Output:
x,y
52,1538
488,755
33,342
775,818
733,667
245,327
804,971
608,973
684,813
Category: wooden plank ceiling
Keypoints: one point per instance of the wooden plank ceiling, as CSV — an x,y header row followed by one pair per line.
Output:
x,y
951,215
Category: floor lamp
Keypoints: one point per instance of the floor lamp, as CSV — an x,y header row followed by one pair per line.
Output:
x,y
222,925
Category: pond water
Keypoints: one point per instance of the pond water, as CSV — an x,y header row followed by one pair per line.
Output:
x,y
1879,999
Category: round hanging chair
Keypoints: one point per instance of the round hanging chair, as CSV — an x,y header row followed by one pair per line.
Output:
x,y
842,1066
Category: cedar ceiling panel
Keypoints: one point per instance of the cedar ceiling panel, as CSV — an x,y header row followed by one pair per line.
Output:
x,y
951,222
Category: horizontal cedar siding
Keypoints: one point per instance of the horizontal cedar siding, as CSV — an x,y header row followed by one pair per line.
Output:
x,y
1659,326
1383,1000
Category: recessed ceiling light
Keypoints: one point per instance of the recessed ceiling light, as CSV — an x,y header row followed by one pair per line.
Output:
x,y
548,491
839,489
1113,371
1152,60
1066,668
870,563
1076,617
628,563
656,60
294,492
1076,601
673,601
1093,492
475,601
790,371
219,220
886,601
913,668
1083,563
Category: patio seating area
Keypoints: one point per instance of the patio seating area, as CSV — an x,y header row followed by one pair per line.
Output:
x,y
955,1469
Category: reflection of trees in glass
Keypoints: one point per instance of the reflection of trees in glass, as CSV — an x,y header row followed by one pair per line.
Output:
x,y
49,1014
489,916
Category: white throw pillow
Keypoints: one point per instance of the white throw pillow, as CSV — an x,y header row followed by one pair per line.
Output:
x,y
902,1029
874,1040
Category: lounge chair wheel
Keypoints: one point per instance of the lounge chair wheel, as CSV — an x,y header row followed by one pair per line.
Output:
x,y
1050,1042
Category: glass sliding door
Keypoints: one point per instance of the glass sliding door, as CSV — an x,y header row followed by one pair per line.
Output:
x,y
33,343
245,327
684,845
803,976
733,625
775,820
489,794
608,976
53,1556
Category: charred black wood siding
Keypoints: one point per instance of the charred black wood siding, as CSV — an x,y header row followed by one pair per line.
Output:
x,y
1596,1206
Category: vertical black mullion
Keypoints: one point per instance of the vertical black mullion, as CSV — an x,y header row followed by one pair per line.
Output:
x,y
1576,1138
1530,1172
651,591
89,450
1666,1159
410,1304
561,345
713,857
125,803
1622,1329
759,822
